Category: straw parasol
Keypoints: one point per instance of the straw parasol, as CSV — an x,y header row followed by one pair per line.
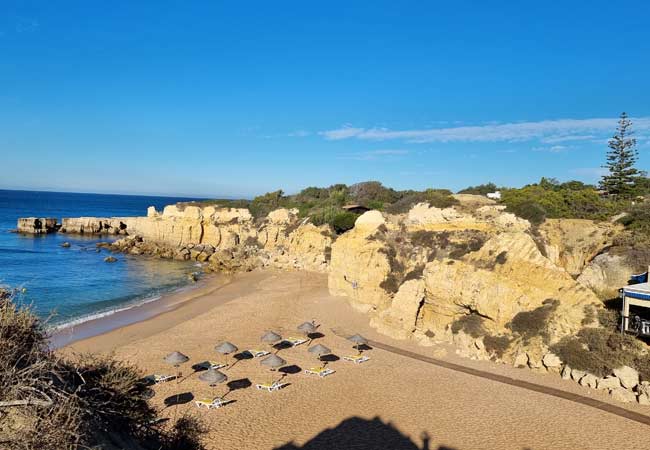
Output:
x,y
319,350
212,377
358,341
176,359
273,361
225,348
307,327
270,337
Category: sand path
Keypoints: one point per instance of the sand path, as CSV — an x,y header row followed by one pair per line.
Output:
x,y
394,401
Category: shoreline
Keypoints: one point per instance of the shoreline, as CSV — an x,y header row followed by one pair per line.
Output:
x,y
166,303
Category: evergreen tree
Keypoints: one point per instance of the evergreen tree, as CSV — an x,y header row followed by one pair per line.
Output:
x,y
621,157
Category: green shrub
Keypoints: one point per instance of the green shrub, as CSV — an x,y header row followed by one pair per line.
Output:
x,y
534,323
481,189
343,222
599,351
531,211
497,345
471,324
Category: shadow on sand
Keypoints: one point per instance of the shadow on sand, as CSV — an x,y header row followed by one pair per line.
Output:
x,y
362,434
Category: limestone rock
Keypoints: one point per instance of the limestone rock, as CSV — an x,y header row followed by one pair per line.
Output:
x,y
37,225
369,222
622,395
399,319
576,375
608,383
643,389
552,361
629,377
589,381
110,259
281,215
571,243
606,273
566,373
521,360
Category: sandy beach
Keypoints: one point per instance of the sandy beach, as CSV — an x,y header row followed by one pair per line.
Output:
x,y
390,402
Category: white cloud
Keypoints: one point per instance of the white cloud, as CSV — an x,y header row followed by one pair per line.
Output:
x,y
553,149
374,154
550,131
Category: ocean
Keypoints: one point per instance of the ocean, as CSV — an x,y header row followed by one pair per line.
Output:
x,y
72,285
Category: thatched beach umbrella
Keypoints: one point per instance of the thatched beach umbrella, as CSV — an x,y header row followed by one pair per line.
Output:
x,y
212,377
273,361
226,348
319,350
307,327
358,341
176,359
270,337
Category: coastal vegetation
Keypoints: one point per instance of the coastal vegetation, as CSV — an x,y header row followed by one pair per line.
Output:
x,y
52,402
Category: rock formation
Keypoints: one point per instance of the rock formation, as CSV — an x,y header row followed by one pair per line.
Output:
x,y
37,225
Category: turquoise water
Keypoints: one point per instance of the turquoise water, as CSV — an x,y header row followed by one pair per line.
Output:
x,y
75,284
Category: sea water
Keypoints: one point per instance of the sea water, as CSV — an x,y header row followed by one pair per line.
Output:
x,y
72,285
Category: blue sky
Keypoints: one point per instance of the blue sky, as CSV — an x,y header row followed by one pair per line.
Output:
x,y
213,98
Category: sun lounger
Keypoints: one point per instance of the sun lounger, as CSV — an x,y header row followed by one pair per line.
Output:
x,y
275,386
156,378
357,359
320,371
294,341
216,402
257,353
213,365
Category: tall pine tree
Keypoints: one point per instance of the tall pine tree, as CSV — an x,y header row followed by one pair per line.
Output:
x,y
621,157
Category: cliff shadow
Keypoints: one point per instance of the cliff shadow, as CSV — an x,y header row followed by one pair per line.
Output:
x,y
363,434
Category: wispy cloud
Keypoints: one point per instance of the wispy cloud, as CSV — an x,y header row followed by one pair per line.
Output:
x,y
553,149
299,133
548,131
372,155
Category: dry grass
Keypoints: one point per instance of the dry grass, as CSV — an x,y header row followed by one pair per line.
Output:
x,y
90,402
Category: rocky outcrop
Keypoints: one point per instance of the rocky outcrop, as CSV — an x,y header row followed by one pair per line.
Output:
x,y
572,243
606,273
37,225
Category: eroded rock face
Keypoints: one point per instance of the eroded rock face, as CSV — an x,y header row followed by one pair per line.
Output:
x,y
400,319
572,243
506,276
606,273
37,225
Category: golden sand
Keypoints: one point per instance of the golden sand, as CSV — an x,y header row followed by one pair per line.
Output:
x,y
389,402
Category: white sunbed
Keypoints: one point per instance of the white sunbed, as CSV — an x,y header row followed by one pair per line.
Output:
x,y
357,359
275,386
156,378
294,341
213,365
216,402
320,371
257,353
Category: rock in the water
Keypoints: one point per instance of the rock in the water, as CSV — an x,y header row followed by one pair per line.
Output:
x,y
589,381
65,245
609,383
629,377
193,277
622,395
110,259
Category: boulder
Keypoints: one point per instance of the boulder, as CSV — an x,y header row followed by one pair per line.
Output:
x,y
589,381
606,273
566,373
521,360
110,259
629,377
622,395
608,383
65,245
643,389
552,361
576,375
399,319
369,221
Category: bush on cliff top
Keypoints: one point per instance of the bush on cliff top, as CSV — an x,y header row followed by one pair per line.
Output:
x,y
47,402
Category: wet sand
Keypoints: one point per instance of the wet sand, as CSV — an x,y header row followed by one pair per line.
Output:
x,y
391,402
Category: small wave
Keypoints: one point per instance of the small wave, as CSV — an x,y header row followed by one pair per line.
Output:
x,y
99,315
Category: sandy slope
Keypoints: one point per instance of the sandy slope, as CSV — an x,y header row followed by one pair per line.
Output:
x,y
391,402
